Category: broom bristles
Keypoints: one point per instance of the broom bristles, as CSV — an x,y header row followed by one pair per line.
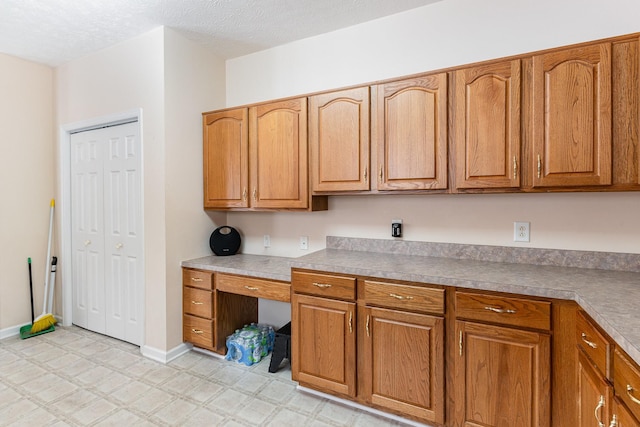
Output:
x,y
43,322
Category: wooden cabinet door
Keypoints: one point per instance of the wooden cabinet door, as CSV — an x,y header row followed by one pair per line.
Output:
x,y
339,140
278,154
594,395
571,124
403,362
486,126
323,347
501,377
622,417
410,133
226,159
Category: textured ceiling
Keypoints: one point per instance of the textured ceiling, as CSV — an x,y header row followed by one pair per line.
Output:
x,y
57,31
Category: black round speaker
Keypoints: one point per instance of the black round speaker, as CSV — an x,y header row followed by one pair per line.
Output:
x,y
225,240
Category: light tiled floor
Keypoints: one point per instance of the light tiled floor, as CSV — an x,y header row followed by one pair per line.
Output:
x,y
73,377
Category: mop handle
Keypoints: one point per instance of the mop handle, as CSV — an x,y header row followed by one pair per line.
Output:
x,y
52,284
46,263
33,315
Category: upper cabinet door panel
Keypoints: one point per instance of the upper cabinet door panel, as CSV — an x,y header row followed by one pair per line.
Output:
x,y
278,141
572,117
339,140
226,159
411,133
487,126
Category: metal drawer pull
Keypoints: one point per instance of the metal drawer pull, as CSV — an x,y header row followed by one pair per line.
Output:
x,y
197,302
196,279
252,288
400,297
631,396
321,285
500,310
367,325
614,421
351,322
587,342
197,331
599,408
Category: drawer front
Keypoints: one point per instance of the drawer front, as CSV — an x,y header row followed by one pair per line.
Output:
x,y
197,278
197,302
407,297
504,310
593,343
626,381
250,286
325,285
197,331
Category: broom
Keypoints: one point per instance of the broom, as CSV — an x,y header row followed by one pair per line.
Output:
x,y
46,320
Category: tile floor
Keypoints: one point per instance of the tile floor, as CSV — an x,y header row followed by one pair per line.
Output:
x,y
73,377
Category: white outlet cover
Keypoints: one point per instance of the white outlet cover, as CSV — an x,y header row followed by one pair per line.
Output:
x,y
521,231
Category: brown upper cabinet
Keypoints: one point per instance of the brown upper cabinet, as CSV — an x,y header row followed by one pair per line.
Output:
x,y
257,158
409,131
486,126
339,140
226,159
571,117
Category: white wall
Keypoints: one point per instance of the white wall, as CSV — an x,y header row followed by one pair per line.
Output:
x,y
194,82
27,166
172,81
444,34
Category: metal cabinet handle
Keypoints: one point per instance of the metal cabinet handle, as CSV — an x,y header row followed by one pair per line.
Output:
x,y
400,297
586,341
367,326
321,285
500,310
196,303
365,174
631,396
515,168
255,194
197,331
119,246
614,421
599,409
381,175
539,166
244,194
351,322
252,288
460,343
196,279
87,242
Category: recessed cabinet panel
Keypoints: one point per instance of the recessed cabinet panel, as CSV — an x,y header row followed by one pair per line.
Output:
x,y
572,117
487,126
226,159
339,140
411,134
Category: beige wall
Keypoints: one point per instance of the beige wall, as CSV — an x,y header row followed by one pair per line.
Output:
x,y
159,72
26,184
448,33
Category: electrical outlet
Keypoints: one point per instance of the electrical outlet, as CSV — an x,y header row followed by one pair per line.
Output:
x,y
304,242
521,231
267,241
396,228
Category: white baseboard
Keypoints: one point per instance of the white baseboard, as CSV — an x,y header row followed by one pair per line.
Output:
x,y
361,407
164,356
10,332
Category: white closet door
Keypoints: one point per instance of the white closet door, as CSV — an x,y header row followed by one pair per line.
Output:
x,y
123,243
107,264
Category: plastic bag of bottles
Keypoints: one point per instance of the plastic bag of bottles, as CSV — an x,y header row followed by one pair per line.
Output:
x,y
250,344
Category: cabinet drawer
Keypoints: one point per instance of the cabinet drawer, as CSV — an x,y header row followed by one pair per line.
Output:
x,y
626,381
197,278
593,343
250,286
198,331
504,310
326,285
197,302
414,298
